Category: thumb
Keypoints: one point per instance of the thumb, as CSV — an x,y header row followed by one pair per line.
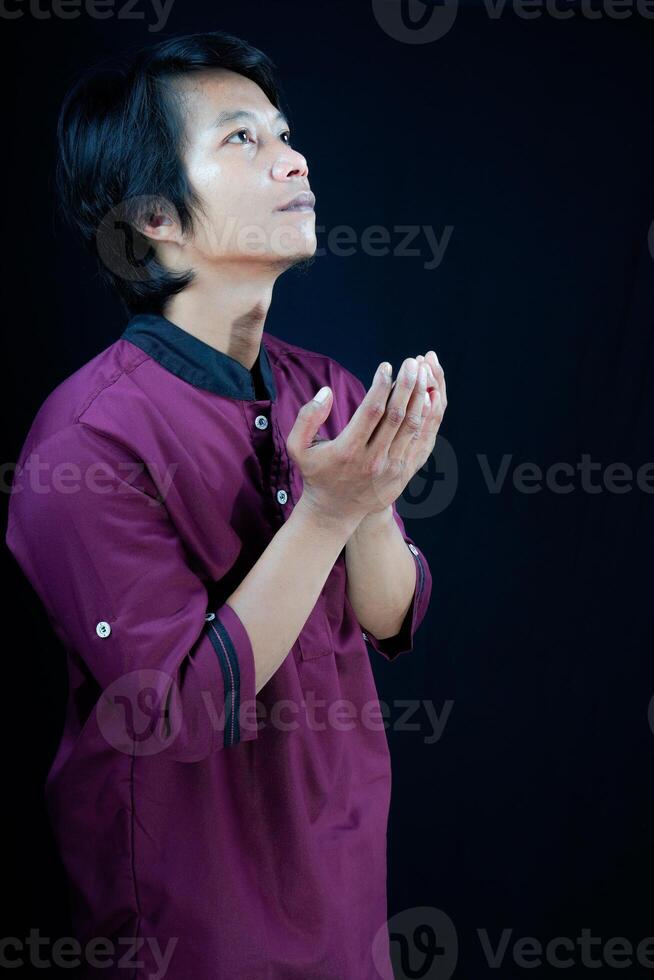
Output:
x,y
311,416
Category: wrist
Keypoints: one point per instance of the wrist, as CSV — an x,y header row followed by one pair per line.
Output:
x,y
324,521
378,522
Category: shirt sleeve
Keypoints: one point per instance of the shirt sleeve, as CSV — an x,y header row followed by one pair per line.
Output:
x,y
103,554
350,393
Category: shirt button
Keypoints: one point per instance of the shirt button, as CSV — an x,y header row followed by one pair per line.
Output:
x,y
103,629
364,634
413,548
282,496
261,422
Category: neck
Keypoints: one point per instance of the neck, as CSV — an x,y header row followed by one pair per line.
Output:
x,y
228,313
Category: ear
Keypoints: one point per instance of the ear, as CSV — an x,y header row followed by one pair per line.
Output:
x,y
159,225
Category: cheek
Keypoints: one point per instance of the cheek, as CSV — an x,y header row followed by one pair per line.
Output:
x,y
208,179
213,223
237,201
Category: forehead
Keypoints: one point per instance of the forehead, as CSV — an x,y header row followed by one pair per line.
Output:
x,y
205,94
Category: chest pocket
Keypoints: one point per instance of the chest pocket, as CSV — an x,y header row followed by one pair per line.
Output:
x,y
316,638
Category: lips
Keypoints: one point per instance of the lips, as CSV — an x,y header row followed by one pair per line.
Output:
x,y
301,202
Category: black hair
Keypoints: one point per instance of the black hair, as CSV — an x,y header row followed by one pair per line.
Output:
x,y
119,131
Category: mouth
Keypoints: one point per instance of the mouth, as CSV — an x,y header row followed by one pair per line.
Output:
x,y
301,202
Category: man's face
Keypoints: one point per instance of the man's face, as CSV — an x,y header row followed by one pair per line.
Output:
x,y
238,159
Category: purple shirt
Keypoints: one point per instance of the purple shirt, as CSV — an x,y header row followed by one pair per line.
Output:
x,y
248,828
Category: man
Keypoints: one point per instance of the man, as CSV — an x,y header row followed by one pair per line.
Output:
x,y
208,515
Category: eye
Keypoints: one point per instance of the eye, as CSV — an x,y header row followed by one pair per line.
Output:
x,y
285,136
238,133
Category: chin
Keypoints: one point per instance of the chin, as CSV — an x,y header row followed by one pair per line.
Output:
x,y
303,255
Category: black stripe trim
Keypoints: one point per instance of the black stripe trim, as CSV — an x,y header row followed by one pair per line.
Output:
x,y
421,576
232,678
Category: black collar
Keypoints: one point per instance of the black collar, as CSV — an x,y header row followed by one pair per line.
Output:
x,y
197,362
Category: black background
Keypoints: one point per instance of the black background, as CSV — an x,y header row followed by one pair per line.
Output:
x,y
534,140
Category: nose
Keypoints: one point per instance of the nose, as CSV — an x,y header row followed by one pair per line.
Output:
x,y
291,164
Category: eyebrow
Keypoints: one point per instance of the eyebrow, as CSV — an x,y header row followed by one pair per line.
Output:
x,y
230,115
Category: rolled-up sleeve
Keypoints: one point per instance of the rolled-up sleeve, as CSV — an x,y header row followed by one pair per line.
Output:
x,y
350,392
103,554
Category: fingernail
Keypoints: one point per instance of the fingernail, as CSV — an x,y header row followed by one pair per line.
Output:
x,y
427,398
322,395
412,367
387,368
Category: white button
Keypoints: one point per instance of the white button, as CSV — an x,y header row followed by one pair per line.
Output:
x,y
103,629
413,548
282,496
210,616
261,422
364,634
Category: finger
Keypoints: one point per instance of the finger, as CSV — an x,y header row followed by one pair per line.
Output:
x,y
430,386
309,419
413,422
439,374
419,449
434,416
371,409
396,407
431,380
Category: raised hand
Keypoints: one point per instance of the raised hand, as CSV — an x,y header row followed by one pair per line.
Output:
x,y
389,437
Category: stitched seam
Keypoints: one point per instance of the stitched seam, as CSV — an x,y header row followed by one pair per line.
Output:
x,y
107,384
133,861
